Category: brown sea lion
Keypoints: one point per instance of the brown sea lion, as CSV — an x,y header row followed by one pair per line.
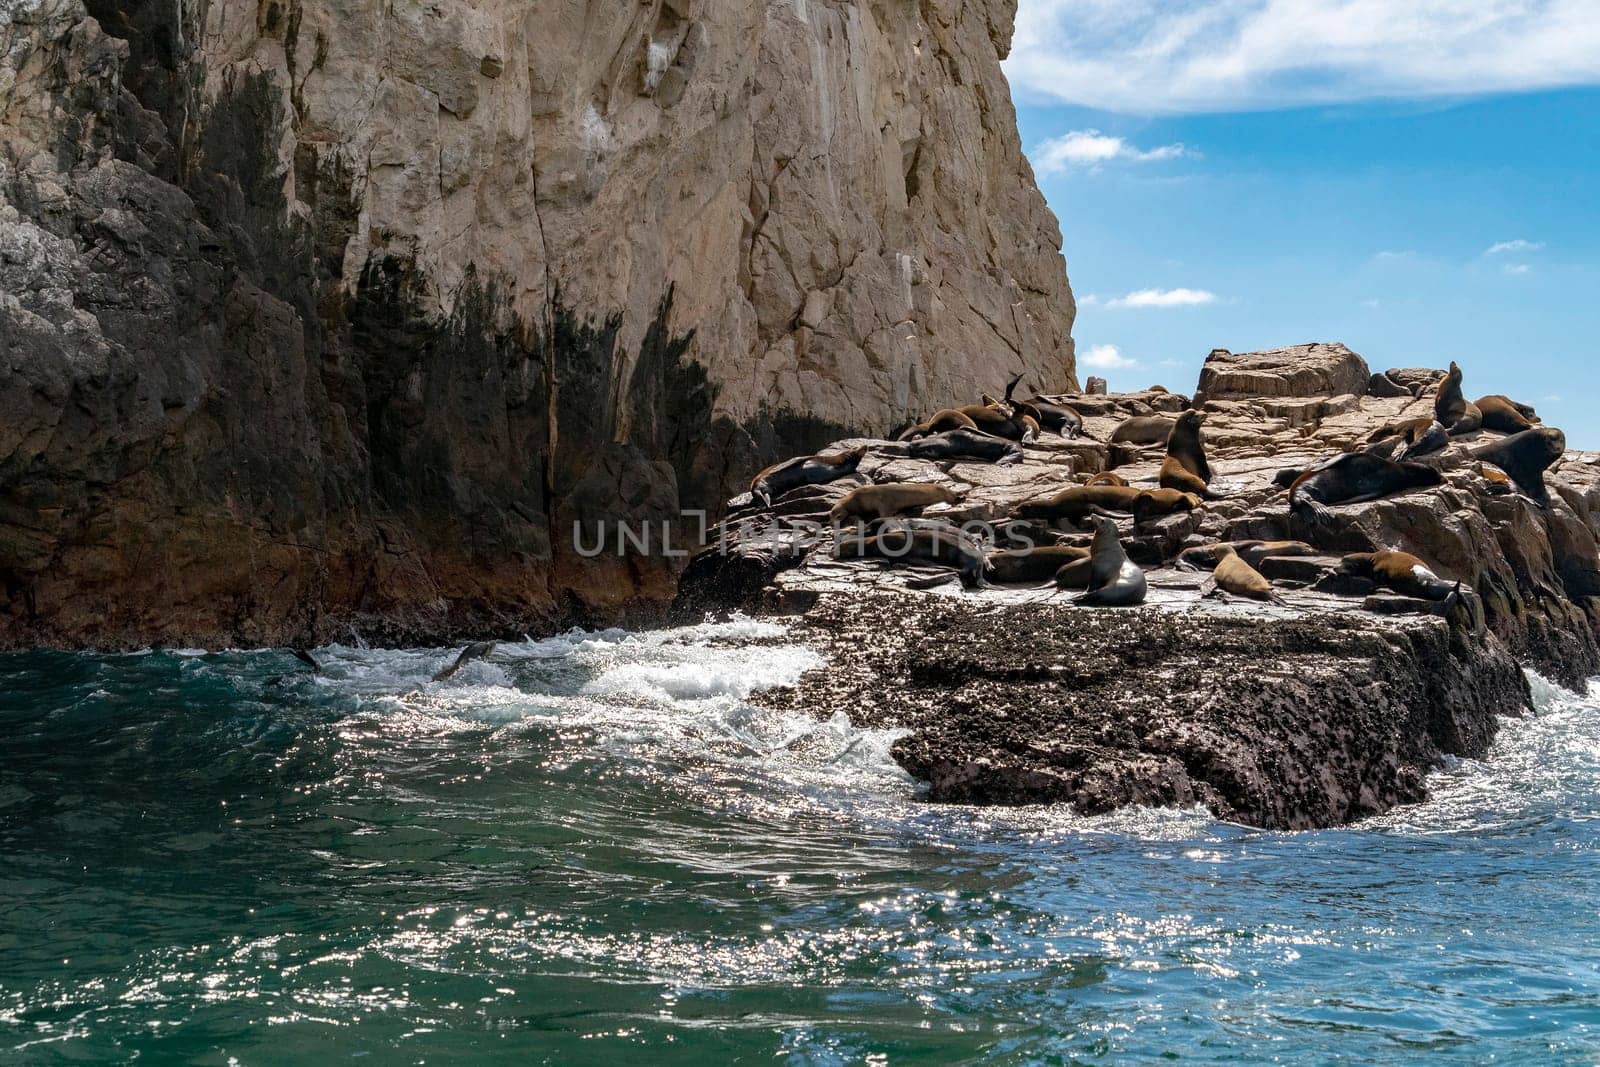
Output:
x,y
1143,430
992,418
1454,410
1107,478
1499,482
1204,557
476,650
780,478
1400,571
1525,456
1352,478
890,499
1406,428
933,542
1030,428
1114,579
1185,468
1155,503
939,422
966,444
1077,502
1504,414
1233,575
1031,564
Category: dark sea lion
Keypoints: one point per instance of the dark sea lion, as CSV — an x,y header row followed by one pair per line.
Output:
x,y
890,499
1077,502
476,650
934,542
307,658
1155,503
1353,478
1075,575
1185,468
1107,478
1454,410
1233,575
803,470
1400,571
1425,441
1406,428
1057,418
1204,557
1503,414
1114,580
1143,430
1525,457
1031,564
939,422
966,444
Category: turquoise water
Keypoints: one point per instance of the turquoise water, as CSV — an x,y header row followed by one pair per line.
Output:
x,y
592,849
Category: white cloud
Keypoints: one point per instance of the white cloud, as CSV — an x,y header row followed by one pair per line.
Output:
x,y
1391,254
1517,268
1172,56
1089,149
1163,298
1088,300
1107,357
1519,245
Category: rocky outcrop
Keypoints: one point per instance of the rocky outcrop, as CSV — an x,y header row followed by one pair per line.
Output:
x,y
1310,370
320,314
1321,710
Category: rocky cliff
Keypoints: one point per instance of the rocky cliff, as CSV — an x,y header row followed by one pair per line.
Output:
x,y
333,313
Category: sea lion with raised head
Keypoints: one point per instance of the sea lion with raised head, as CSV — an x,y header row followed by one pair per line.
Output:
x,y
1143,430
1354,478
885,501
1525,457
1233,575
780,478
1115,581
1185,468
1077,502
476,650
1075,575
1450,407
1205,557
1156,503
1400,571
938,422
1505,415
1107,478
933,542
1031,564
966,444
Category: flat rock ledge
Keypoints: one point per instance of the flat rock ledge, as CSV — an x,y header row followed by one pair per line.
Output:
x,y
1326,709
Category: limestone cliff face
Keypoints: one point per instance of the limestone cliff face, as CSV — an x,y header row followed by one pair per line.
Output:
x,y
331,312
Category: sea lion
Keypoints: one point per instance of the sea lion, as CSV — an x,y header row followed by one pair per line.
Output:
x,y
1406,428
1400,571
305,657
966,444
1525,456
1205,557
1424,441
1185,468
1143,430
1527,411
1077,502
1075,575
1233,575
934,542
1352,478
1030,428
1114,579
1057,418
1499,482
1503,414
476,650
1454,410
780,478
939,422
1107,478
1031,564
889,499
1154,503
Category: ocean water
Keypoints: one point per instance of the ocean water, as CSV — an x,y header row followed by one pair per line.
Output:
x,y
593,850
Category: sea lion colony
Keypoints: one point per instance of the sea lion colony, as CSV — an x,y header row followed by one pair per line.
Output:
x,y
889,522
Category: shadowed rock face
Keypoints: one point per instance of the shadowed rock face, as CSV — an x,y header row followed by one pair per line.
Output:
x,y
320,314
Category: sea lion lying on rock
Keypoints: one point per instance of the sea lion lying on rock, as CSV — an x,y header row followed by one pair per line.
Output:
x,y
939,422
1353,478
1233,575
1107,478
1525,457
1458,414
1185,468
1031,564
1115,581
932,542
966,444
1143,430
780,478
1205,557
1418,437
1505,415
890,499
1155,503
1400,571
1077,502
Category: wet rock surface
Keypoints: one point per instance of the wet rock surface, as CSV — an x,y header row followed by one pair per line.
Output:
x,y
1322,710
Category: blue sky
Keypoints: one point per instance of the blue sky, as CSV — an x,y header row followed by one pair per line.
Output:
x,y
1430,194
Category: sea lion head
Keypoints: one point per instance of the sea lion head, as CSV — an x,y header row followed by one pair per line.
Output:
x,y
850,457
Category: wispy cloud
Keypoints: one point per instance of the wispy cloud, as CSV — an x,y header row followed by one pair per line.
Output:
x,y
1107,357
1088,300
1173,56
1091,149
1390,253
1517,268
1519,245
1163,298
